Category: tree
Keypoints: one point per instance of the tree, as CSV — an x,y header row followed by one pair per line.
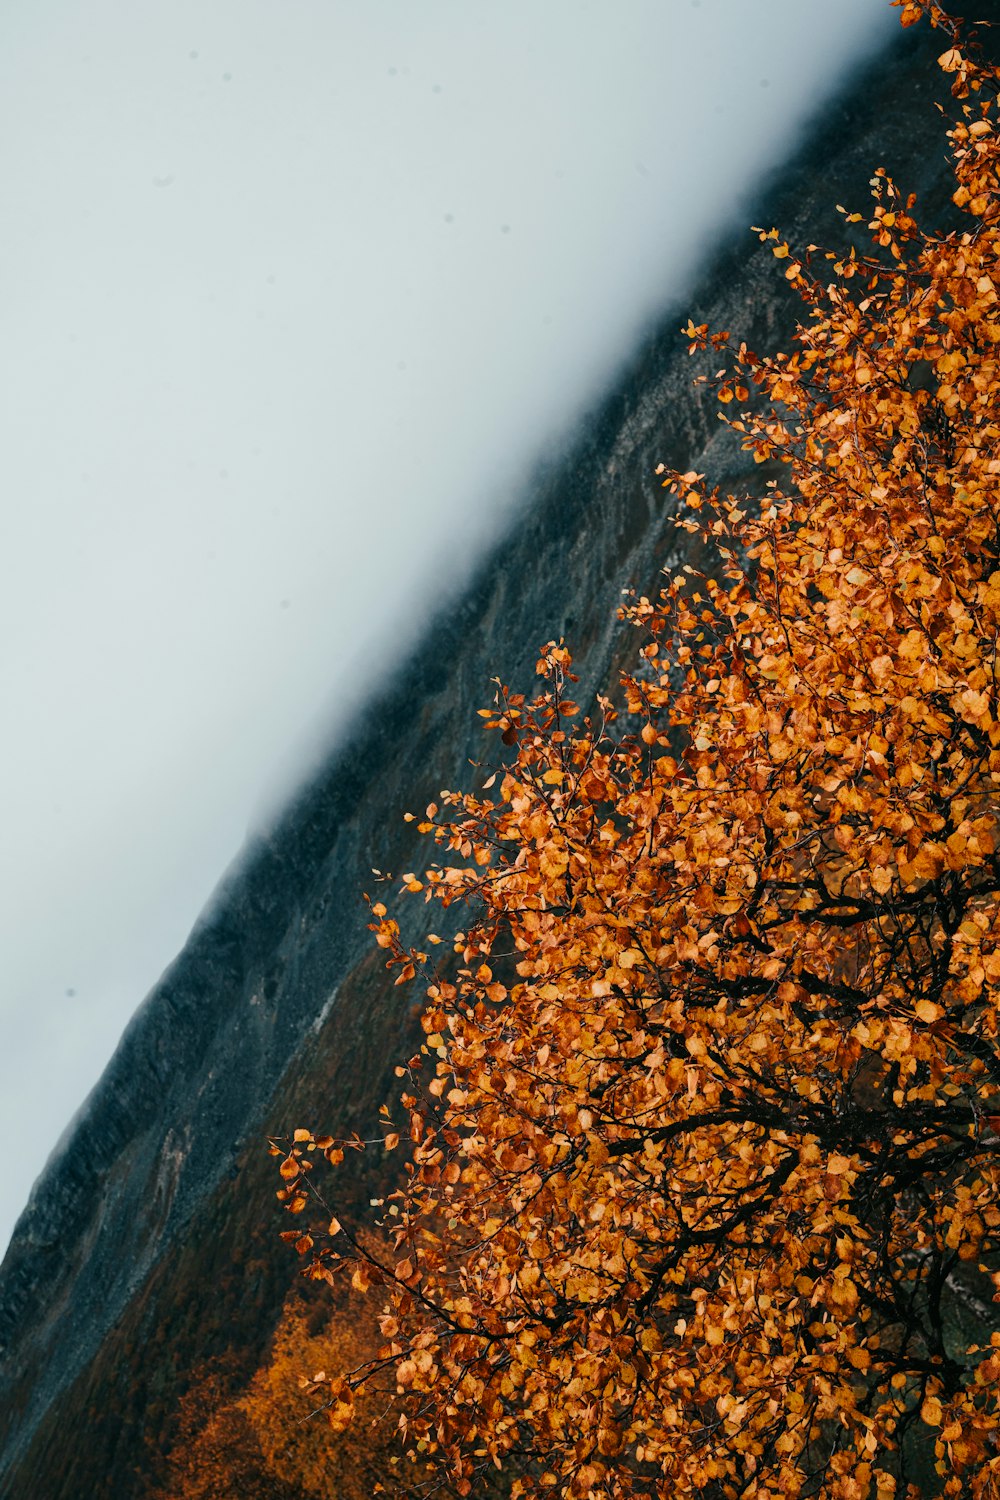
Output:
x,y
316,1461
255,1438
216,1454
701,1195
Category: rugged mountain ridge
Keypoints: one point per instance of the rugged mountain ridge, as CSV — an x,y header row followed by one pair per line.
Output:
x,y
150,1240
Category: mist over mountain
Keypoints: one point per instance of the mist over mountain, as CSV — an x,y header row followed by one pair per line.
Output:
x,y
295,300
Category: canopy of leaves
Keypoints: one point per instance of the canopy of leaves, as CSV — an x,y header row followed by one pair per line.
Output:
x,y
702,1181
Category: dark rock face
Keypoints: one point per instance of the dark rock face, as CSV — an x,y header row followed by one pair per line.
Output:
x,y
150,1241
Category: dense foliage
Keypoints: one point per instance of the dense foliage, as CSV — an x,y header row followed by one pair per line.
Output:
x,y
256,1439
701,1192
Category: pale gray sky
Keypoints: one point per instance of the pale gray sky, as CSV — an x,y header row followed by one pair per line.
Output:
x,y
292,295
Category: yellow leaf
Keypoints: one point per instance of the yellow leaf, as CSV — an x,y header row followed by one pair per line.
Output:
x,y
931,1411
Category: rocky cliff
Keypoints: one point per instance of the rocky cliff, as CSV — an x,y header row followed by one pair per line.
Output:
x,y
150,1241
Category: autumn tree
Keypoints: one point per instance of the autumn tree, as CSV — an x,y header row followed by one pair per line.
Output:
x,y
215,1454
701,1187
326,1460
256,1438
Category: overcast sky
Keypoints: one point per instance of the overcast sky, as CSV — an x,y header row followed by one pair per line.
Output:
x,y
292,296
